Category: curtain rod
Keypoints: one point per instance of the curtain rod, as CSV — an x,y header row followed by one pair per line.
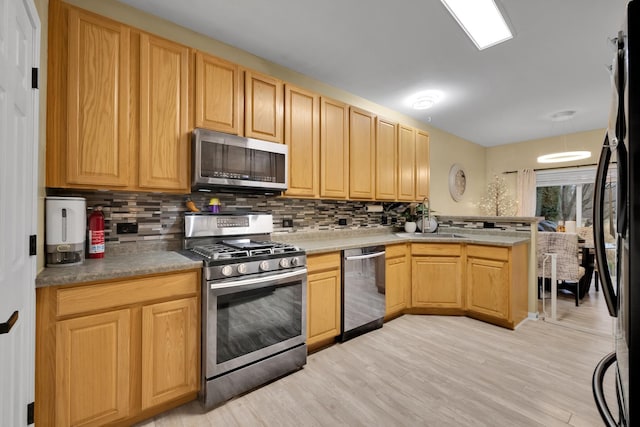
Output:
x,y
560,167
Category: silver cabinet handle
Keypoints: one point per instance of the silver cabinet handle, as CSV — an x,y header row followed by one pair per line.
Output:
x,y
368,256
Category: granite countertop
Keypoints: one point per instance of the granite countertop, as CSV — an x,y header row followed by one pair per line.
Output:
x,y
116,266
141,263
493,219
320,242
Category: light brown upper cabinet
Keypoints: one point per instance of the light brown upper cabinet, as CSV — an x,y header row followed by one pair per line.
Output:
x,y
302,136
218,94
422,165
334,149
406,163
164,119
263,103
88,101
117,106
362,160
385,157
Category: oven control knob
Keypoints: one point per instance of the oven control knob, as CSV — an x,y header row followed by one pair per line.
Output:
x,y
242,268
226,270
284,263
264,266
295,261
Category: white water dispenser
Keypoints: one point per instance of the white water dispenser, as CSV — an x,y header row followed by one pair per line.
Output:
x,y
66,225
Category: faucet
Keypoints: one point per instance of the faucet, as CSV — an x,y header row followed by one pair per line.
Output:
x,y
425,205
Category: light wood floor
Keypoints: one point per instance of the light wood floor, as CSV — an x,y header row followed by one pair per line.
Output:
x,y
591,315
431,371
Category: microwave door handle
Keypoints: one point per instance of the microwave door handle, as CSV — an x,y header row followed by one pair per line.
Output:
x,y
598,392
598,231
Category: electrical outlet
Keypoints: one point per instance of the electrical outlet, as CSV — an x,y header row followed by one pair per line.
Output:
x,y
127,228
287,223
342,221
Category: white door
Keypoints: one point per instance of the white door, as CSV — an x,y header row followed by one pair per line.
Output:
x,y
19,52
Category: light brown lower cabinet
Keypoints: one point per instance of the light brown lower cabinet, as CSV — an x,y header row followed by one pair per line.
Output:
x,y
437,276
497,284
118,352
397,279
323,298
489,283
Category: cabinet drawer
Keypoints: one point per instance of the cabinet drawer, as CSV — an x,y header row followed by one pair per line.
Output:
x,y
488,252
323,262
81,299
454,249
394,251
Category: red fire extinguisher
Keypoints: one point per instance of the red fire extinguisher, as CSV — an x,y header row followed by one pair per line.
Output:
x,y
96,233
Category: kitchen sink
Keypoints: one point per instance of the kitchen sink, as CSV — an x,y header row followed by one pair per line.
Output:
x,y
431,236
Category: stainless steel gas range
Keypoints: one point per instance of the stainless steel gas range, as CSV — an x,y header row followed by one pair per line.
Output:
x,y
254,296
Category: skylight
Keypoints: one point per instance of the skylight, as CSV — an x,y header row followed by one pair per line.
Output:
x,y
481,20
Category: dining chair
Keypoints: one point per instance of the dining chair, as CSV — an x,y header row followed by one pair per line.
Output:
x,y
568,268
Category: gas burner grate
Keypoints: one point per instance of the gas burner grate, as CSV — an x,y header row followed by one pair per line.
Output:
x,y
218,251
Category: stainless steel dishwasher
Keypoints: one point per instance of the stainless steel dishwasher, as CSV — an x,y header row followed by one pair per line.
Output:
x,y
363,301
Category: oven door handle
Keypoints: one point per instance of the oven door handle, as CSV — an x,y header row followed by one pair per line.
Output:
x,y
368,256
257,280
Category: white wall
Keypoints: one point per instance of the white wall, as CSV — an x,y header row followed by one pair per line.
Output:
x,y
513,157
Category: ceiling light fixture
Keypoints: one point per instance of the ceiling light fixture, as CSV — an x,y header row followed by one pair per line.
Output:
x,y
566,156
481,20
425,99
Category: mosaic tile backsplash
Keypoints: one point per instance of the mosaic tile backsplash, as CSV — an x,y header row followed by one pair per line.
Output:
x,y
161,224
160,217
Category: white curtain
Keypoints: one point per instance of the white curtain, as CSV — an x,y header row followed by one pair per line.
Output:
x,y
526,192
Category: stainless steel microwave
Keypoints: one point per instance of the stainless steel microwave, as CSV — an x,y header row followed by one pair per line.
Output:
x,y
224,162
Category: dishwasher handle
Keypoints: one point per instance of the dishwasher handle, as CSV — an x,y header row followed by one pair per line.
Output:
x,y
367,256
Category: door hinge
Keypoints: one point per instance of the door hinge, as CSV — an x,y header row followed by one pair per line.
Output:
x,y
30,413
34,78
33,242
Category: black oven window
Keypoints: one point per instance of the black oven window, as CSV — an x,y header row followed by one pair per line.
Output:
x,y
229,161
252,320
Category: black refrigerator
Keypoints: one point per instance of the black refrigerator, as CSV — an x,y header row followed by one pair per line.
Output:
x,y
622,295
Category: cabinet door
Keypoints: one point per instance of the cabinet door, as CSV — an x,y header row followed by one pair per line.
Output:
x,y
263,103
361,154
436,282
302,136
488,287
323,306
422,165
397,282
97,101
164,86
334,149
169,350
92,369
217,94
323,297
385,155
406,163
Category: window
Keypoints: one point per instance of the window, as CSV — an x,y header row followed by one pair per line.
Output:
x,y
567,195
